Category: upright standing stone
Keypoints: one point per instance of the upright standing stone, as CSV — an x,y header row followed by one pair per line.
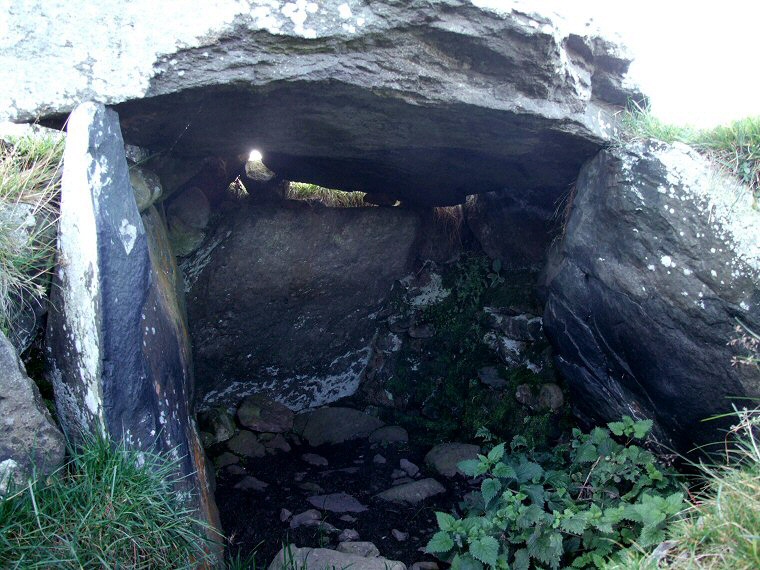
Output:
x,y
118,344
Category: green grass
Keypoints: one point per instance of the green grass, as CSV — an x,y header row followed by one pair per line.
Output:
x,y
30,172
722,528
326,196
734,147
109,507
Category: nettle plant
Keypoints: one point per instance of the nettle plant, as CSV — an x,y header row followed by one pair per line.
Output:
x,y
572,508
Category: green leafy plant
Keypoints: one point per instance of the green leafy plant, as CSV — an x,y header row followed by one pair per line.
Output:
x,y
109,507
574,507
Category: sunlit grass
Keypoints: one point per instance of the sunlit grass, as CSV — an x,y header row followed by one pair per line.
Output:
x,y
326,196
734,147
30,173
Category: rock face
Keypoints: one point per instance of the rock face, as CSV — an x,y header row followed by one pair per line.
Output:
x,y
28,436
483,95
281,299
660,258
117,341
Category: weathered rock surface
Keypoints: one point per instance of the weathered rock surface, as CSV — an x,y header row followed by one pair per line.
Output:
x,y
515,229
334,425
412,493
218,423
389,434
29,438
281,299
118,347
325,559
660,259
246,444
445,457
483,95
187,216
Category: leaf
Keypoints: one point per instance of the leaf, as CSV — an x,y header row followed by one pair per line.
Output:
x,y
485,549
574,523
440,543
528,471
617,428
651,535
587,453
496,266
530,516
496,453
445,521
465,562
522,560
641,428
536,493
489,488
470,467
504,471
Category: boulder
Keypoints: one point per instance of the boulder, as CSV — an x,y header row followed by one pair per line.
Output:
x,y
335,425
482,95
445,457
29,439
246,444
119,354
324,559
187,216
146,186
282,299
660,259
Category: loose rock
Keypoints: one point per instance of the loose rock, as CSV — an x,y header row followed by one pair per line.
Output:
x,y
389,434
305,517
264,415
550,397
337,503
335,425
321,558
400,536
445,457
412,493
314,459
409,468
246,444
249,483
348,535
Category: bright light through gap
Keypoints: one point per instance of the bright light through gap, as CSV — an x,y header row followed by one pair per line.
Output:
x,y
255,155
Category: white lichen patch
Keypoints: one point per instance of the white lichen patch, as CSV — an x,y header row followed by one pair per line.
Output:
x,y
430,294
128,233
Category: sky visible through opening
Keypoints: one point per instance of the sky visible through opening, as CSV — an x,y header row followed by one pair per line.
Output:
x,y
698,61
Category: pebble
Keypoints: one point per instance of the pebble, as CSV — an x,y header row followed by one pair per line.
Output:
x,y
400,536
397,473
379,459
310,487
348,535
348,519
285,514
412,493
337,503
249,483
305,518
314,459
410,468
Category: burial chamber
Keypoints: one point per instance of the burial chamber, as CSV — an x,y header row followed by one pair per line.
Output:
x,y
465,123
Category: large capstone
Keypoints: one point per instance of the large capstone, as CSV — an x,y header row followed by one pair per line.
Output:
x,y
422,101
119,351
283,299
660,261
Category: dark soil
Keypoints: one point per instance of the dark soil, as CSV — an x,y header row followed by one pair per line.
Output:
x,y
252,518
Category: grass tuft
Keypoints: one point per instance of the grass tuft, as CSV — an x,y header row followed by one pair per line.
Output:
x,y
326,196
109,507
735,148
30,173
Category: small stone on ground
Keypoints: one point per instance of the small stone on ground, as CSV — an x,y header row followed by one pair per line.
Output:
x,y
445,457
314,459
363,549
337,503
412,493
